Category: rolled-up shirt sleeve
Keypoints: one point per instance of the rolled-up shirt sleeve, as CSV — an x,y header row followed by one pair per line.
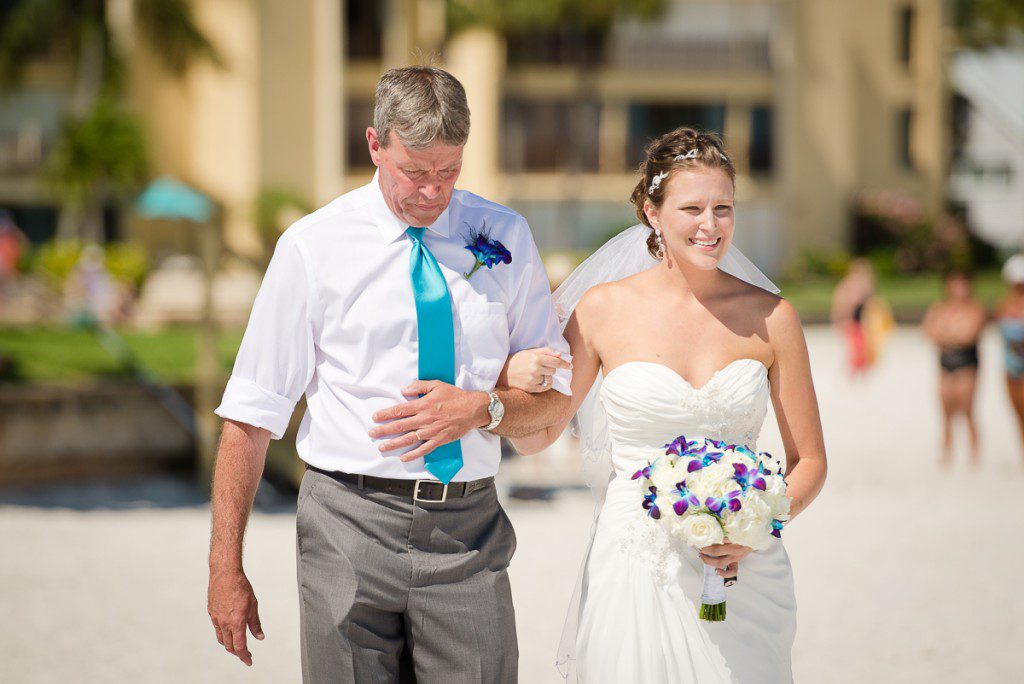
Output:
x,y
531,312
276,359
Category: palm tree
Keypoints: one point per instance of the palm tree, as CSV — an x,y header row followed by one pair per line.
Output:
x,y
982,23
517,15
100,149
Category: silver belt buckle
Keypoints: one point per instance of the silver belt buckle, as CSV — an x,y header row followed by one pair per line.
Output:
x,y
416,492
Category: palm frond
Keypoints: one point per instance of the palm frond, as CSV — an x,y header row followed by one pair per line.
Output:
x,y
173,34
31,30
103,152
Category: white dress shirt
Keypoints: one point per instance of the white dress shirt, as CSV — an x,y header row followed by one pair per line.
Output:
x,y
335,319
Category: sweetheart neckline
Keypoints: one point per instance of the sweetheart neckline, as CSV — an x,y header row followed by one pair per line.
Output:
x,y
676,373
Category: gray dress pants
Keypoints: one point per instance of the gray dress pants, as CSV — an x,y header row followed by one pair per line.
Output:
x,y
379,574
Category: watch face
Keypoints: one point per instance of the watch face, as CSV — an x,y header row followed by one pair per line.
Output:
x,y
496,409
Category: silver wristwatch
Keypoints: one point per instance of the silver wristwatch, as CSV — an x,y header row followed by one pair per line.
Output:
x,y
496,410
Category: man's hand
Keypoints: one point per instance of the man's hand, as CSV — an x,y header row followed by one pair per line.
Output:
x,y
232,607
443,414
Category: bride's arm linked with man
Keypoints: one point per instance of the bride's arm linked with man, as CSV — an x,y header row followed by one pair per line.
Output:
x,y
417,320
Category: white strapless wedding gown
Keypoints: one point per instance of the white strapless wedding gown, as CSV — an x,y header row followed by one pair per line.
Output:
x,y
641,590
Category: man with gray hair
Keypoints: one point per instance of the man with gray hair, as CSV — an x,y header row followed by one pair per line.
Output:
x,y
393,309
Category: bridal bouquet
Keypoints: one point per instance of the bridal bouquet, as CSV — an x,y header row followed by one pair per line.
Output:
x,y
707,491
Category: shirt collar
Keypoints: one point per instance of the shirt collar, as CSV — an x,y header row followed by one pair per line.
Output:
x,y
392,227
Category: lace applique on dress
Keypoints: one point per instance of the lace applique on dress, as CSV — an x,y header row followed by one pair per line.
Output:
x,y
719,415
650,543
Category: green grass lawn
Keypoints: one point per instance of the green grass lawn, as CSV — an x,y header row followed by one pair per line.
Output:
x,y
63,354
908,296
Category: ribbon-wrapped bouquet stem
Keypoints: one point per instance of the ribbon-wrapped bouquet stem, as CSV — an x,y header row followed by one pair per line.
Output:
x,y
708,492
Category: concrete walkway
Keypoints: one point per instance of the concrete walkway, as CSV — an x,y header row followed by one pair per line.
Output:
x,y
904,572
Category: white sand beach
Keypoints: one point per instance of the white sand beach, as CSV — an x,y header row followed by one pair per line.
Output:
x,y
904,572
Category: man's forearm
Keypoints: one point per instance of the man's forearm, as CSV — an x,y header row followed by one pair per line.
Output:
x,y
240,460
527,413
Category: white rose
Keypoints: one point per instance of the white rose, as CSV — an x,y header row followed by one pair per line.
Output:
x,y
732,457
751,525
667,475
701,529
697,483
775,494
717,474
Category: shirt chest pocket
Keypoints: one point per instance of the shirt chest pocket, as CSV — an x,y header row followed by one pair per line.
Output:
x,y
484,343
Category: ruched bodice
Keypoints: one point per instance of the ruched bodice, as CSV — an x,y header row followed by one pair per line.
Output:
x,y
642,586
649,404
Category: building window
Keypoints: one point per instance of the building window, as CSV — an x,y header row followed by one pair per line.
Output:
x,y
905,38
648,121
549,135
904,137
358,116
37,222
364,29
761,151
568,44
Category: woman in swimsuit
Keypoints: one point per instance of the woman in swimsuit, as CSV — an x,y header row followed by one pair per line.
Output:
x,y
1010,315
848,303
955,324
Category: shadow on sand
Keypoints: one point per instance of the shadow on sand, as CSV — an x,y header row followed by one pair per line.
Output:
x,y
152,491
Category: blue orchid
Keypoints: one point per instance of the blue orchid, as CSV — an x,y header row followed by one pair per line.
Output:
x,y
485,251
731,501
702,459
644,472
681,446
686,499
748,477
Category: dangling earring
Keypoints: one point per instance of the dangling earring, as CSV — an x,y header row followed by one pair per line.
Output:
x,y
660,243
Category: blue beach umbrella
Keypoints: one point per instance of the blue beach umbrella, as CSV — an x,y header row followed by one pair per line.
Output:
x,y
171,200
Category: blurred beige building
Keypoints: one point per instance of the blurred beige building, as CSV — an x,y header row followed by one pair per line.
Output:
x,y
817,99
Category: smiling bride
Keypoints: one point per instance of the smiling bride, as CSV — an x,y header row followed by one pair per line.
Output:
x,y
688,338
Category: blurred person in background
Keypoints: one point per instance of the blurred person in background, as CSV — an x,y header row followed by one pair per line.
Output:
x,y
955,324
92,295
12,244
863,319
1010,315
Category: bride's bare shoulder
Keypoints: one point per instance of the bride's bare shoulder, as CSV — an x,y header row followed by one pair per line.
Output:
x,y
752,298
601,297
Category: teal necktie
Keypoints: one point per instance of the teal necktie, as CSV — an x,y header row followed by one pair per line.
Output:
x,y
437,341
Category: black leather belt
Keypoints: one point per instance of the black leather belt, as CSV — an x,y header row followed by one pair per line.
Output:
x,y
430,491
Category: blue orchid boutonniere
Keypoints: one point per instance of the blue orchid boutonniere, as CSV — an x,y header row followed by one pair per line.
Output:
x,y
486,252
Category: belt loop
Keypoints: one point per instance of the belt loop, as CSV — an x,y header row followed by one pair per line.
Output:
x,y
362,479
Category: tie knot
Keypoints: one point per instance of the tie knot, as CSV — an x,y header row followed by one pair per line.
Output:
x,y
415,233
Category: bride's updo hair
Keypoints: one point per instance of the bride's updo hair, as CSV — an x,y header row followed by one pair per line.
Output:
x,y
683,148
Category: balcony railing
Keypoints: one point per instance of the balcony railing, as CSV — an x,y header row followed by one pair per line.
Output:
x,y
711,54
22,151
